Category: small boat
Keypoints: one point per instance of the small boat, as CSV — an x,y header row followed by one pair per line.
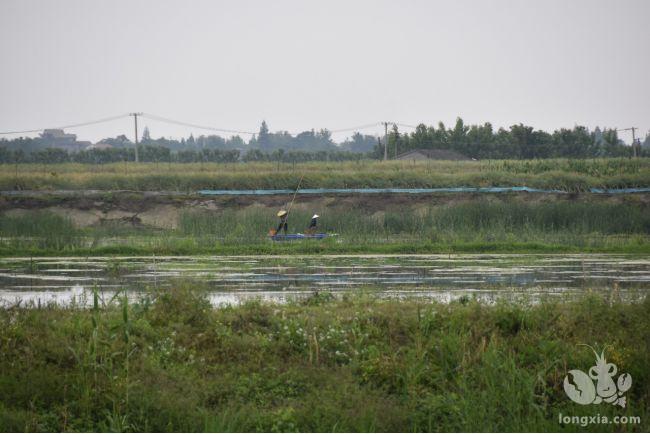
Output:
x,y
284,214
289,237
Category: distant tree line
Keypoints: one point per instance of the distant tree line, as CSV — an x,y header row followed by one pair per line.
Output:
x,y
302,156
517,142
149,153
473,141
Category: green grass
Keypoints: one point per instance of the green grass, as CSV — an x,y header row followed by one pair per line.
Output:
x,y
454,221
47,230
477,226
170,362
639,246
569,175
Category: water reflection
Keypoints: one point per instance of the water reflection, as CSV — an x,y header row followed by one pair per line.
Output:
x,y
232,279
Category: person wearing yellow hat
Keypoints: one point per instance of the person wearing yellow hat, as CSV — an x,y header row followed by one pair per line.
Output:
x,y
283,221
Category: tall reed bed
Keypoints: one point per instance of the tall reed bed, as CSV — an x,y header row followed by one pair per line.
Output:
x,y
460,220
40,228
577,224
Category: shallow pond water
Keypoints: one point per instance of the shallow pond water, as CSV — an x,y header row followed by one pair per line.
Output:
x,y
233,279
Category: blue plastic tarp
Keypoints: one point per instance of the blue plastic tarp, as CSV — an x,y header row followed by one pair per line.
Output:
x,y
414,191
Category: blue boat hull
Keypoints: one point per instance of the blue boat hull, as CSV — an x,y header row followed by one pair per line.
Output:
x,y
290,237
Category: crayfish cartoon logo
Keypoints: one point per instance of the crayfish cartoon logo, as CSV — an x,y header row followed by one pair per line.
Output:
x,y
580,387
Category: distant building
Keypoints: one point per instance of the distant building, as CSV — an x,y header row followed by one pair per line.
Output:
x,y
432,154
99,145
57,138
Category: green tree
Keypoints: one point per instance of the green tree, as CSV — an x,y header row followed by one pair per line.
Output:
x,y
458,137
480,141
359,143
574,143
263,138
146,136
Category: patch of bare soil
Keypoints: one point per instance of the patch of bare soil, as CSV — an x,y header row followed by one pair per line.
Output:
x,y
161,216
80,217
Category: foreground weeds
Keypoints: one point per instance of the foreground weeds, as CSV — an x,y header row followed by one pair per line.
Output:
x,y
173,363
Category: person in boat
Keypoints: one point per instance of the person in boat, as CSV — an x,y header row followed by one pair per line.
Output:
x,y
314,222
313,225
283,221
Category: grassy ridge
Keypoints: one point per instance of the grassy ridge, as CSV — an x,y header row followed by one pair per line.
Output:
x,y
569,175
172,363
475,226
165,248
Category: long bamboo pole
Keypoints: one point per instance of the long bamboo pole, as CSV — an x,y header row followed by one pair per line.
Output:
x,y
294,197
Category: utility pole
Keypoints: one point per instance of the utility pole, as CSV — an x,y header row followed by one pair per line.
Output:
x,y
385,140
634,144
394,126
135,120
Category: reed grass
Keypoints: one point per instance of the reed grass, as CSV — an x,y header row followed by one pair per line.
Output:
x,y
479,225
170,362
39,228
475,221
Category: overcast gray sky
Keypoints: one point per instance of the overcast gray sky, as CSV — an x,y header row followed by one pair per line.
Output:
x,y
328,64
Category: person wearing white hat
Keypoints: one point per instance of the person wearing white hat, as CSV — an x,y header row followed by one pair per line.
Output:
x,y
314,222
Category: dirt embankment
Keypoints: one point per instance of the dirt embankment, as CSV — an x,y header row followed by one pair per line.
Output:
x,y
163,211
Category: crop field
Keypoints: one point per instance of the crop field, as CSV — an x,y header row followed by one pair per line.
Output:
x,y
563,174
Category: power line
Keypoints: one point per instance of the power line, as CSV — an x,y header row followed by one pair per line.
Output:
x,y
634,140
224,130
405,125
187,124
360,127
82,124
